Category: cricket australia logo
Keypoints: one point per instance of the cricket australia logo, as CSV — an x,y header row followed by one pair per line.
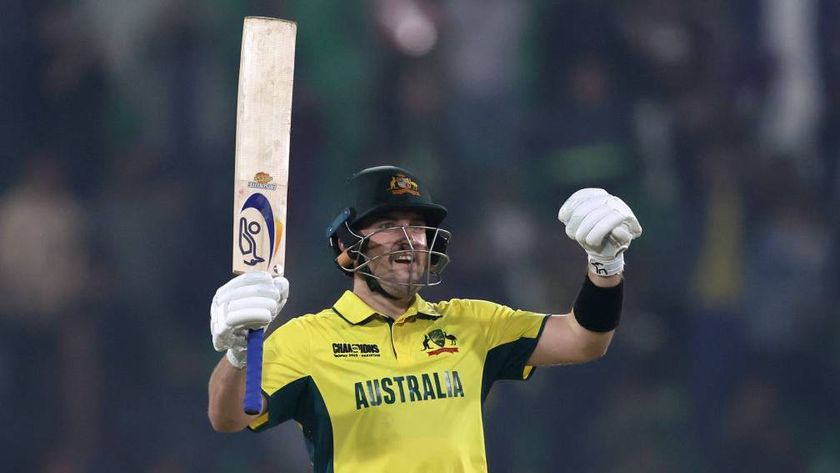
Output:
x,y
402,184
445,342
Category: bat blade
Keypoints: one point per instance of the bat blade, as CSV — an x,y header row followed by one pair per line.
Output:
x,y
263,122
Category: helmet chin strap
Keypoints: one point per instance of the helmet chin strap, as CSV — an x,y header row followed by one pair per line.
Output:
x,y
374,285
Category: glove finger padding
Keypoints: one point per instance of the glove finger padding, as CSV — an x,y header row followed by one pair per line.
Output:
x,y
219,329
571,204
604,226
579,215
621,236
632,222
282,286
589,221
249,292
251,303
246,280
250,317
265,289
584,210
634,228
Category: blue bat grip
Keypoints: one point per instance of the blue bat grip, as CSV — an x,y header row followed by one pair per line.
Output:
x,y
253,376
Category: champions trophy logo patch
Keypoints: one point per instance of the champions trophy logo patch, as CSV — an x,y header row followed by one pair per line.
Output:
x,y
402,184
445,342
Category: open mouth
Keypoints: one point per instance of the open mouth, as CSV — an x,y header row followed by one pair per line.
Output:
x,y
403,258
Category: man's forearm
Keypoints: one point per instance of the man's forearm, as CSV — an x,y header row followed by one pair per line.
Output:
x,y
226,392
605,281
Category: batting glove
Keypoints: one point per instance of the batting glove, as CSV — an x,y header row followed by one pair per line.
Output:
x,y
603,225
248,301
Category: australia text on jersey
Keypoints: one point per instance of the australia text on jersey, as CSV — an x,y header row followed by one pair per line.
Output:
x,y
408,388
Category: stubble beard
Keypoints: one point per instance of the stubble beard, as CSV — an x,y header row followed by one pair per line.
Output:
x,y
402,280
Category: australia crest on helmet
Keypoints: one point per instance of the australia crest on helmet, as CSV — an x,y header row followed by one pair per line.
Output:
x,y
401,184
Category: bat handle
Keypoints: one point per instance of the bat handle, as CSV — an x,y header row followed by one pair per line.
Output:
x,y
253,376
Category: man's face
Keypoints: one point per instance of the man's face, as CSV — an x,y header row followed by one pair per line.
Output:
x,y
397,248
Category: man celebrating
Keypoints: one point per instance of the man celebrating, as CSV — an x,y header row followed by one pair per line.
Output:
x,y
384,380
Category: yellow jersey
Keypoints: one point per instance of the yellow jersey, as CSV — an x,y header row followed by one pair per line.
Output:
x,y
374,394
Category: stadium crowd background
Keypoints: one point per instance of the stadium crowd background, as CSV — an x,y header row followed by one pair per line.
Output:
x,y
719,122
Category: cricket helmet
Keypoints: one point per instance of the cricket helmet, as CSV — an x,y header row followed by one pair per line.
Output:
x,y
374,192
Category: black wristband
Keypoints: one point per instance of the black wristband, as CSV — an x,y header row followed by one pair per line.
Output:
x,y
599,308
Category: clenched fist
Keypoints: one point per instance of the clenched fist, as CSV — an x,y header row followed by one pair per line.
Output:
x,y
248,301
603,225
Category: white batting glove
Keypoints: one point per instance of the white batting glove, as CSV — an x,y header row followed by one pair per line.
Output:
x,y
603,225
248,301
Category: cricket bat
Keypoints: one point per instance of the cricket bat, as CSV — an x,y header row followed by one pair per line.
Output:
x,y
263,121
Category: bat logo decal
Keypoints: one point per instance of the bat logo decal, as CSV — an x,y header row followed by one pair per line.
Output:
x,y
247,244
247,229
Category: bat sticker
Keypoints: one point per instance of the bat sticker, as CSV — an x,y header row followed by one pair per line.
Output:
x,y
247,229
247,244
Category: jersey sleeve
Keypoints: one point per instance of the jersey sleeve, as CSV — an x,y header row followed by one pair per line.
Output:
x,y
284,374
511,336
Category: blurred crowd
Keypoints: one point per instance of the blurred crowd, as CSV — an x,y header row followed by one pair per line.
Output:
x,y
716,121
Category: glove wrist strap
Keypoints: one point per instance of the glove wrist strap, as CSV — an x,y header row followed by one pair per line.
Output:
x,y
606,267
